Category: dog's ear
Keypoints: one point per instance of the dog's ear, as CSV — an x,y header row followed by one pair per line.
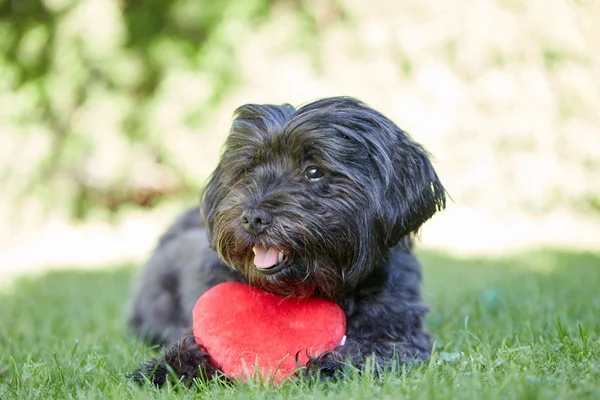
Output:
x,y
405,190
210,198
414,192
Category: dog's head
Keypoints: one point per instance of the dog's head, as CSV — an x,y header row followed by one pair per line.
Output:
x,y
308,200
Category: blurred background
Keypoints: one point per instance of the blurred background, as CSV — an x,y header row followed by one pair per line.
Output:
x,y
113,112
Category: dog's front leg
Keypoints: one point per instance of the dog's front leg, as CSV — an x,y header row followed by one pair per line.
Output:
x,y
185,359
384,320
355,352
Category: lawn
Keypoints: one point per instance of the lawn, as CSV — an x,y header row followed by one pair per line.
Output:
x,y
520,326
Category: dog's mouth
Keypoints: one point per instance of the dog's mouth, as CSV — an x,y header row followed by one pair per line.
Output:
x,y
269,260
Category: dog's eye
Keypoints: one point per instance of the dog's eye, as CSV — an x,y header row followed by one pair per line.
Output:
x,y
313,173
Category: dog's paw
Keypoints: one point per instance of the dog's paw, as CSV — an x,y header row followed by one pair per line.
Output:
x,y
327,365
154,371
335,363
183,362
331,364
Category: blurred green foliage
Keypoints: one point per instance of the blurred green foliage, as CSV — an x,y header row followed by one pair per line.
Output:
x,y
112,104
67,64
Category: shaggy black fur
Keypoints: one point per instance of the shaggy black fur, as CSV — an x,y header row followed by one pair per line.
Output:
x,y
336,186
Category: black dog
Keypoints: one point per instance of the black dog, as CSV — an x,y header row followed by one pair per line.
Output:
x,y
316,201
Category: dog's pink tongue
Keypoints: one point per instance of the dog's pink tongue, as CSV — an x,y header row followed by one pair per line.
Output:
x,y
265,258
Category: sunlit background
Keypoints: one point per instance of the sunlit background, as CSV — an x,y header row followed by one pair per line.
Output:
x,y
113,112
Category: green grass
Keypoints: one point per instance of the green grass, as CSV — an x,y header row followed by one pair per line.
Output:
x,y
523,326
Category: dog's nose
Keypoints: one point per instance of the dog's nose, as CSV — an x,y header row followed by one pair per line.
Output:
x,y
255,220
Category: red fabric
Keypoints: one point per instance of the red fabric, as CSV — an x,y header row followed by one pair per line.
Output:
x,y
246,329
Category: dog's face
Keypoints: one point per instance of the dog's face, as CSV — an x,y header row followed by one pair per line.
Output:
x,y
308,201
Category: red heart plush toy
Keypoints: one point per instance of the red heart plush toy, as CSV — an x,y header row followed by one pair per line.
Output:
x,y
246,330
